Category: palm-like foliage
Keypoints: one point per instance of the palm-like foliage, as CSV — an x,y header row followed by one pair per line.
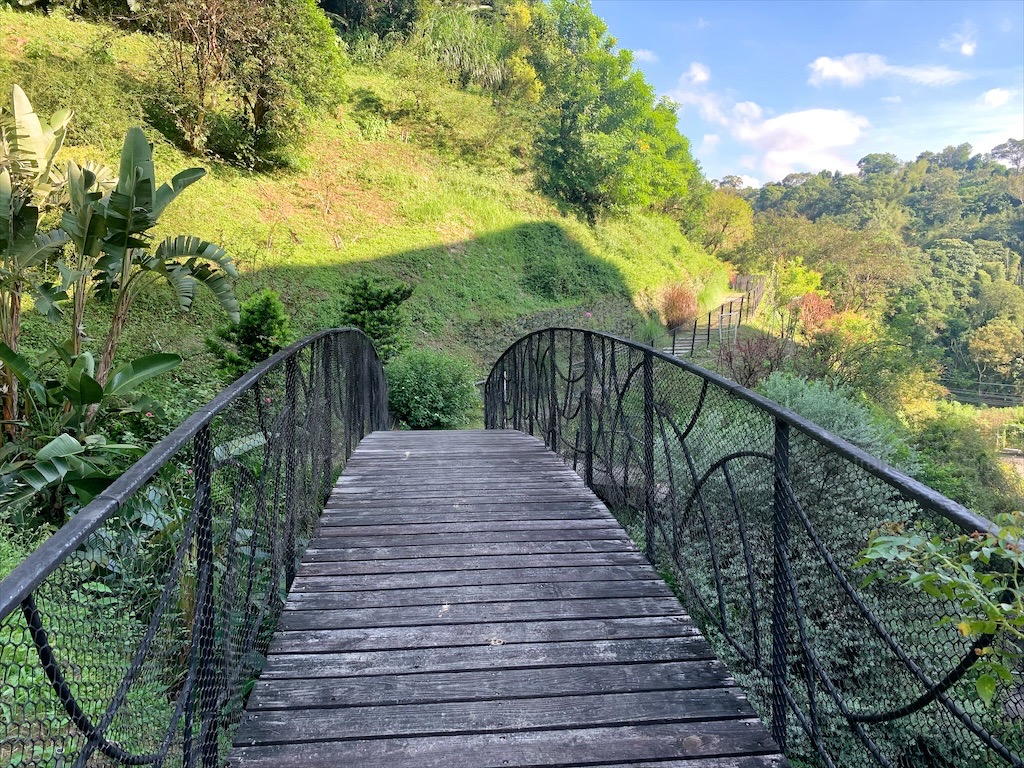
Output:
x,y
112,241
28,146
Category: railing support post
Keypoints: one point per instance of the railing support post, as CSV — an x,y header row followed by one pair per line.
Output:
x,y
206,651
649,483
328,424
588,414
552,431
291,387
780,583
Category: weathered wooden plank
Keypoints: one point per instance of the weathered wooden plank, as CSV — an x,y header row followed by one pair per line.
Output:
x,y
487,684
475,613
337,525
480,577
451,717
492,633
428,565
377,540
327,549
516,655
604,746
441,596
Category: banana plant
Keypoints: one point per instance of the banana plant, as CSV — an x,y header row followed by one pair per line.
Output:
x,y
59,456
28,146
111,235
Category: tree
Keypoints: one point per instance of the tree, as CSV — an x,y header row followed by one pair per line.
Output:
x,y
376,309
1011,152
728,222
878,163
275,59
997,346
604,143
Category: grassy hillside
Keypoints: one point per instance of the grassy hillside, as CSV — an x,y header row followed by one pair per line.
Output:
x,y
438,199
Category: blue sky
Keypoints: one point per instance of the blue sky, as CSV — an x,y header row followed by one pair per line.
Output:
x,y
769,88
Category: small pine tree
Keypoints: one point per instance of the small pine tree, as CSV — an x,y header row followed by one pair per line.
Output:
x,y
376,309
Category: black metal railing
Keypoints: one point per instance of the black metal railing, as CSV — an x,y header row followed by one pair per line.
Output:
x,y
133,635
758,517
722,324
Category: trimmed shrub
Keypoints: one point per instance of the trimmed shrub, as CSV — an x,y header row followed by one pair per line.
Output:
x,y
431,390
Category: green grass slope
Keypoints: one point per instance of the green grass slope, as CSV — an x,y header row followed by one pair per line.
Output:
x,y
438,199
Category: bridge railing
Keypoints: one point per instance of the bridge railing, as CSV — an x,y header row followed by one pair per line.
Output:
x,y
133,635
759,517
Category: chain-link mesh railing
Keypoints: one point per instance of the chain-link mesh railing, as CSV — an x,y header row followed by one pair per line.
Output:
x,y
758,518
133,635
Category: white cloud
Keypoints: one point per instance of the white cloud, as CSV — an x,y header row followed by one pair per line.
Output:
x,y
856,68
750,181
808,140
702,23
963,40
642,54
697,73
893,99
709,143
996,97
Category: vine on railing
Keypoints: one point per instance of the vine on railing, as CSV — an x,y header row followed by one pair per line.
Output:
x,y
760,518
133,635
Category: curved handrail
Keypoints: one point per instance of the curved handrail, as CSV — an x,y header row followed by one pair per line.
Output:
x,y
45,558
160,593
760,515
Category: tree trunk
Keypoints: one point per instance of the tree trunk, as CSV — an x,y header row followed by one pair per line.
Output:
x,y
12,332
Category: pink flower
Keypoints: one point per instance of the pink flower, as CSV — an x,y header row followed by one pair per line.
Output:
x,y
149,414
188,471
268,399
587,314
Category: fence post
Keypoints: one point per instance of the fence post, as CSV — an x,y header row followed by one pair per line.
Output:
x,y
206,650
649,511
588,414
291,387
708,344
328,361
780,583
693,337
552,431
674,341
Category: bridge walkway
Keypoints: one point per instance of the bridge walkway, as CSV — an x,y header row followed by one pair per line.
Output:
x,y
468,601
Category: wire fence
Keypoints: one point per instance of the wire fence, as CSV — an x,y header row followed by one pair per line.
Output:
x,y
133,635
758,517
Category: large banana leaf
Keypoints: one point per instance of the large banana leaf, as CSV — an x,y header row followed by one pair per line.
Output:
x,y
186,260
18,365
167,192
129,375
6,209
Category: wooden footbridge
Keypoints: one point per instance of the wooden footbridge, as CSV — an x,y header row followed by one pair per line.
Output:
x,y
467,601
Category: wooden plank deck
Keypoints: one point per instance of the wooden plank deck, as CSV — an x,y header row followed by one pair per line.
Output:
x,y
467,601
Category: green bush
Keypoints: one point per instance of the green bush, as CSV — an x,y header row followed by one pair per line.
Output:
x,y
431,390
376,309
263,329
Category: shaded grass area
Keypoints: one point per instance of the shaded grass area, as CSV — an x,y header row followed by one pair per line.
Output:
x,y
440,196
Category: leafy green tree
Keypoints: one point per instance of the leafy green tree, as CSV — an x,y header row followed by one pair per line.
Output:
x,y
728,221
604,143
275,61
431,390
997,347
380,17
879,163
